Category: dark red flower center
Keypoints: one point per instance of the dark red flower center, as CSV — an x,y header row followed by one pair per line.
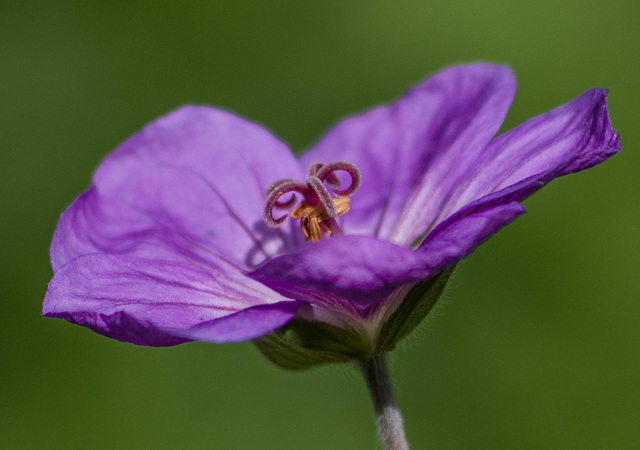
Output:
x,y
318,209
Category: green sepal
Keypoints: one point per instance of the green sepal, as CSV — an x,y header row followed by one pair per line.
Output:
x,y
412,311
302,344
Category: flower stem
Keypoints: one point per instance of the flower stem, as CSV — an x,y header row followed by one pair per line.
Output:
x,y
388,417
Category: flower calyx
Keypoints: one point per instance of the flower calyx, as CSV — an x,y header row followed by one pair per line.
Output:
x,y
318,209
303,344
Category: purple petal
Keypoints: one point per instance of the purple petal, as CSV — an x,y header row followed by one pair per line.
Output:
x,y
456,240
364,270
358,268
568,139
413,153
191,184
247,324
154,302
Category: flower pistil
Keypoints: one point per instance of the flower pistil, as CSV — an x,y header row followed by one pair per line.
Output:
x,y
318,209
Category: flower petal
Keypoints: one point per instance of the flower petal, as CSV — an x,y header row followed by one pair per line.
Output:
x,y
456,240
571,138
192,183
364,270
155,302
568,139
250,323
357,268
413,153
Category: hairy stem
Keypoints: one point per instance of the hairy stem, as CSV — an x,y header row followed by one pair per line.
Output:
x,y
388,417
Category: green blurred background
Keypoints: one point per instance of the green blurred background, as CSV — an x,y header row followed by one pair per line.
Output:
x,y
537,344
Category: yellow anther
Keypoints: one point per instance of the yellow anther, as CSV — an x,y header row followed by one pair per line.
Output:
x,y
313,218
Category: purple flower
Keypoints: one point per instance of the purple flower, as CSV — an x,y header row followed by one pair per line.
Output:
x,y
169,243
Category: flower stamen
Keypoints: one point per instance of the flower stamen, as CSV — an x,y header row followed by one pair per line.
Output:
x,y
318,209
